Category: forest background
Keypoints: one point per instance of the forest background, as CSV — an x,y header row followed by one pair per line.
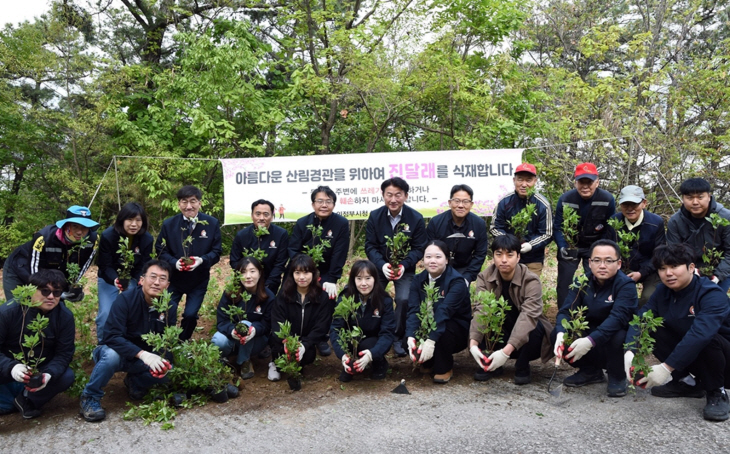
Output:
x,y
638,87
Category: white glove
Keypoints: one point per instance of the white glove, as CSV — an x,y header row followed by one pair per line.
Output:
x,y
401,270
579,348
19,372
251,334
235,335
559,347
366,358
300,352
525,247
426,350
715,280
482,361
46,379
387,271
154,362
497,359
331,289
198,262
346,365
628,359
180,266
658,376
412,348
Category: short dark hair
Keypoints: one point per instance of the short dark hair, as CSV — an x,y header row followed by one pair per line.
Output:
x,y
441,245
44,276
327,190
605,243
130,210
694,186
672,255
398,182
189,191
461,187
161,264
508,242
262,202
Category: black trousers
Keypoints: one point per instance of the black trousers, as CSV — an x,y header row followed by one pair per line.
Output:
x,y
712,365
609,356
453,340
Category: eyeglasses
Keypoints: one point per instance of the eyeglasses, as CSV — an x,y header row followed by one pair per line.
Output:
x,y
326,202
46,291
604,261
154,277
465,202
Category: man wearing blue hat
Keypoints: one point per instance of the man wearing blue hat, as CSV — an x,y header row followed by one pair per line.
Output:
x,y
72,240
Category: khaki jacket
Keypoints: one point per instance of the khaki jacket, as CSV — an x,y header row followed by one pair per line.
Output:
x,y
526,293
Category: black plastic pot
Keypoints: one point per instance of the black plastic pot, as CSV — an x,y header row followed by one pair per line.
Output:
x,y
36,381
242,329
124,283
295,384
572,252
221,396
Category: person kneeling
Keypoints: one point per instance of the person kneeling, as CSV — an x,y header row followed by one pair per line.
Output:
x,y
375,319
123,349
528,328
695,332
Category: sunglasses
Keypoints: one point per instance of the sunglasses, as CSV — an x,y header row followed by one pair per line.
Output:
x,y
47,291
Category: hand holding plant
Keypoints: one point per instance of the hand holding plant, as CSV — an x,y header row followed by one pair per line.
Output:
x,y
520,221
399,246
350,336
643,345
425,314
31,345
491,312
284,362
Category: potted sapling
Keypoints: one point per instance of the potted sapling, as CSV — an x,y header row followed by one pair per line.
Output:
x,y
235,313
73,268
350,336
711,257
165,340
187,242
642,345
491,314
571,219
316,251
521,220
427,322
126,262
399,245
625,241
31,344
287,362
574,327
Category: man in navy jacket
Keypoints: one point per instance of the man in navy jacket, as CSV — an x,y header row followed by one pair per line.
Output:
x,y
387,221
694,336
610,299
191,243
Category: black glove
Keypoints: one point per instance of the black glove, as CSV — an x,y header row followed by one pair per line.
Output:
x,y
565,256
74,295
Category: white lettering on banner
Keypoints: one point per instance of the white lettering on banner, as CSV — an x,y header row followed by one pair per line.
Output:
x,y
288,181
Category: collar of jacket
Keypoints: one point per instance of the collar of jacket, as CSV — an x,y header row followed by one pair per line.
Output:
x,y
520,270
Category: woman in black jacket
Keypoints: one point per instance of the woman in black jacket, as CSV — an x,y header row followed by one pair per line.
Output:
x,y
256,301
302,303
131,223
374,318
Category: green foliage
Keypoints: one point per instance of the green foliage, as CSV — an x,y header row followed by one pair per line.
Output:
x,y
398,247
316,251
237,314
571,219
643,344
197,367
158,411
519,222
575,326
625,241
351,335
73,268
287,362
491,314
259,253
427,322
187,240
36,338
126,257
84,313
711,257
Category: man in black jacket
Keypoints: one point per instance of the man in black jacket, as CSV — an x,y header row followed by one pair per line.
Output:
x,y
57,350
72,240
463,231
123,349
540,228
387,221
694,336
274,244
191,243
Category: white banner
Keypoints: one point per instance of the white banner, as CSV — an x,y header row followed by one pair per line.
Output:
x,y
288,181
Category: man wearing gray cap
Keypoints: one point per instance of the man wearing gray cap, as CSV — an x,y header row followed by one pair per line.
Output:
x,y
650,229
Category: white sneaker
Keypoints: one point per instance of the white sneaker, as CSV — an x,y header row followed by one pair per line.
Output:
x,y
273,373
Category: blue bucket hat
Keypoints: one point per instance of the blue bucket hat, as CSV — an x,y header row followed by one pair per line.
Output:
x,y
79,215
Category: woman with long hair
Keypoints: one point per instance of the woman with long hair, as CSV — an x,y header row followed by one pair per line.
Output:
x,y
374,317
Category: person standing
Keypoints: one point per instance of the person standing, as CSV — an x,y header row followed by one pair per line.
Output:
x,y
464,232
191,243
387,221
539,229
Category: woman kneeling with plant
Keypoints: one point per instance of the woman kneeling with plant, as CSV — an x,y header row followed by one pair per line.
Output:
x,y
244,315
363,328
439,313
303,304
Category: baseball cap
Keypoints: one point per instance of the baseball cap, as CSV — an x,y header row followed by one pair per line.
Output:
x,y
79,215
526,167
586,170
631,193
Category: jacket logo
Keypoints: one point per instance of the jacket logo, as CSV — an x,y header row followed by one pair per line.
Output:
x,y
272,244
406,228
471,233
258,309
161,317
203,234
442,293
136,250
609,300
692,311
376,313
599,227
329,233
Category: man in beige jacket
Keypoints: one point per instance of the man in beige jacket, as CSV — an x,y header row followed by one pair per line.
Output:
x,y
525,326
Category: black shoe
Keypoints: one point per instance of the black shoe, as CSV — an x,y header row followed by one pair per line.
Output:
x,y
134,393
523,379
676,388
718,407
26,407
582,378
91,409
616,387
178,399
265,353
324,348
481,375
345,377
398,349
380,370
232,391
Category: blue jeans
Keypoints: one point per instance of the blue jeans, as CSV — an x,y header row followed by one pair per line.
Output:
x,y
108,362
193,300
228,346
107,295
57,385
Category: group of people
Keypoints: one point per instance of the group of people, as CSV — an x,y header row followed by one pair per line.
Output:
x,y
284,283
